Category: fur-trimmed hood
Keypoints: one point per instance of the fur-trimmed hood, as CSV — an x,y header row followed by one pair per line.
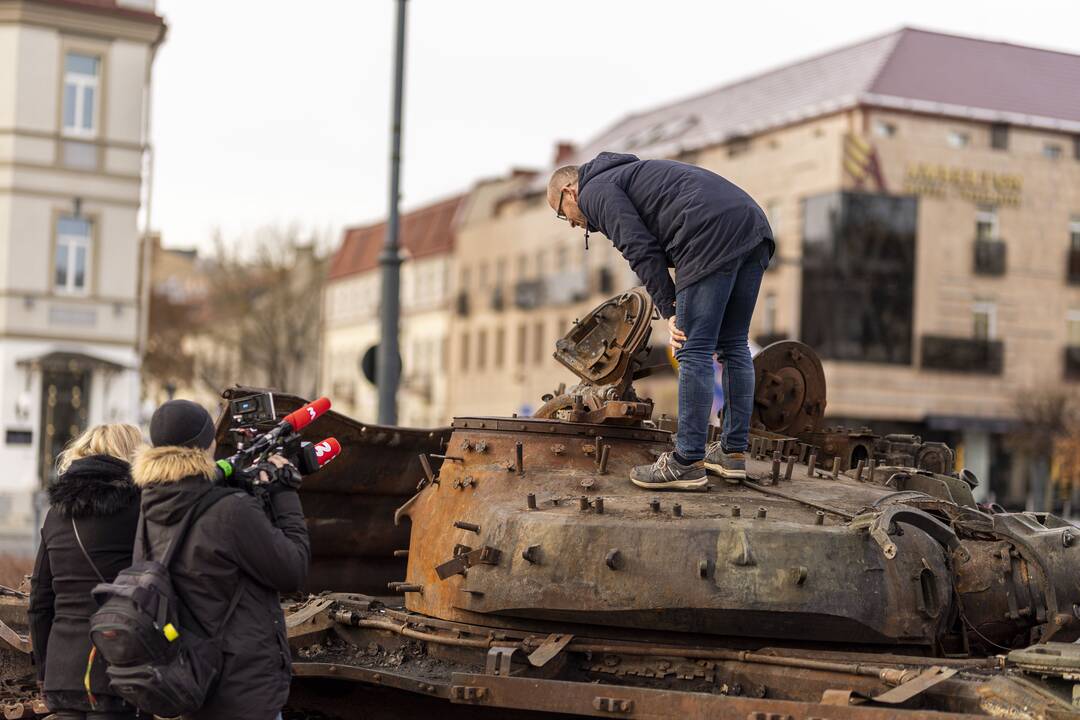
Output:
x,y
170,464
95,486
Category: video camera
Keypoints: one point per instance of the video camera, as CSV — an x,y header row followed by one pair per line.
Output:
x,y
259,434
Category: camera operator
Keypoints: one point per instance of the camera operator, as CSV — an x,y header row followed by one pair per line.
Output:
x,y
232,548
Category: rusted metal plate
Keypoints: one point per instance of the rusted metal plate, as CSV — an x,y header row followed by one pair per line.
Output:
x,y
424,686
553,645
926,680
599,700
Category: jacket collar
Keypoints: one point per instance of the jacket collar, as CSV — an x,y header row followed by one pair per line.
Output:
x,y
94,486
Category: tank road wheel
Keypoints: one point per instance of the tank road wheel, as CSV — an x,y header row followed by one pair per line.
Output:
x,y
789,396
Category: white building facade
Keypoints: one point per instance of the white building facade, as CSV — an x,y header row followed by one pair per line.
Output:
x,y
74,85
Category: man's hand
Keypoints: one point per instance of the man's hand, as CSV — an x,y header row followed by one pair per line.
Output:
x,y
678,337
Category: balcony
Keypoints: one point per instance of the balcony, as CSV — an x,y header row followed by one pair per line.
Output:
x,y
529,294
1072,267
990,257
966,355
1072,362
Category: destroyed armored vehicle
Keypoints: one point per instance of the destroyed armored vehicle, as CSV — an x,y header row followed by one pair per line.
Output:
x,y
850,576
505,566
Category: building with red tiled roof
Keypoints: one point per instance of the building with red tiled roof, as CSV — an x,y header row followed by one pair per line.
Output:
x,y
351,306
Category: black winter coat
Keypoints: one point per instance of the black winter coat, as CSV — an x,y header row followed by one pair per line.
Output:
x,y
98,493
663,213
232,547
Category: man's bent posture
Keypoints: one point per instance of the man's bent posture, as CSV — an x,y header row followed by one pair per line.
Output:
x,y
661,214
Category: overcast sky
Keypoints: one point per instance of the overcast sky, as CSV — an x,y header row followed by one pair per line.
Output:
x,y
274,112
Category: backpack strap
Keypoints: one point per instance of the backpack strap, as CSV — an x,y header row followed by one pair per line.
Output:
x,y
86,555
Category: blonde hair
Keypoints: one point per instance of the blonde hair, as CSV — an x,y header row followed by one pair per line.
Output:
x,y
119,440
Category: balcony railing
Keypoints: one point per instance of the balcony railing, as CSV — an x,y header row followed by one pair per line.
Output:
x,y
967,355
1072,267
1072,362
989,257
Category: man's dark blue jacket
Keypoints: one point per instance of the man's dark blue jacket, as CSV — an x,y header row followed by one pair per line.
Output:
x,y
663,213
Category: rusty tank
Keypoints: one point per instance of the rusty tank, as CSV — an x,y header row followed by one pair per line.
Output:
x,y
505,567
852,575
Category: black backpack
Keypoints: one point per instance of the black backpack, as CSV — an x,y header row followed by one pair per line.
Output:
x,y
155,662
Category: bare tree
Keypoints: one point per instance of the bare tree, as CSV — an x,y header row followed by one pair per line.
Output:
x,y
1049,420
261,321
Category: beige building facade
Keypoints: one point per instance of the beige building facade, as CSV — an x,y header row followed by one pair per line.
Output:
x,y
74,83
927,218
351,316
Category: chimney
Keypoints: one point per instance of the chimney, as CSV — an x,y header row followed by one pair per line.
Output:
x,y
564,153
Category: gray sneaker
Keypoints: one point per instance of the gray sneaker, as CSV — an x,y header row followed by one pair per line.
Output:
x,y
730,466
668,474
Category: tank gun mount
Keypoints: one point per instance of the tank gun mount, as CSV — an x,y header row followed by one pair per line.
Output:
x,y
605,350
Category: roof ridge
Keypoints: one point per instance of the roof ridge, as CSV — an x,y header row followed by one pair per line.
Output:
x,y
988,41
754,77
427,206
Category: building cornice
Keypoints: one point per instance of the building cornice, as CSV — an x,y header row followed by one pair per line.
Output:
x,y
84,19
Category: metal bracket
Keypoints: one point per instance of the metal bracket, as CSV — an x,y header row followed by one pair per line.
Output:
x,y
499,659
462,561
468,693
552,646
613,705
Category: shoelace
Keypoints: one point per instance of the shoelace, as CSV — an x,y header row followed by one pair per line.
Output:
x,y
662,461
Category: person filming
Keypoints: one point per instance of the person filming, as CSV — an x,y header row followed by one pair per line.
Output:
x,y
234,556
86,538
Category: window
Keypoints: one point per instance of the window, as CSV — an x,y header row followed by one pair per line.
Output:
x,y
500,271
1051,151
1074,233
738,146
481,350
80,94
986,223
541,263
958,139
522,267
72,255
561,258
464,351
466,280
1076,147
538,342
884,129
1072,328
522,334
769,320
500,347
483,279
999,136
984,315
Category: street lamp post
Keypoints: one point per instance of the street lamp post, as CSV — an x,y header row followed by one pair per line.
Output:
x,y
387,369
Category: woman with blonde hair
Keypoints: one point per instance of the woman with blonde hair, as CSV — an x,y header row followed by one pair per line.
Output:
x,y
87,538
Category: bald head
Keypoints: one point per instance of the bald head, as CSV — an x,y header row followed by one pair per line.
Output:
x,y
566,176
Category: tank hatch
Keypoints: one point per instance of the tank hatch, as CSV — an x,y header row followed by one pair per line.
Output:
x,y
599,348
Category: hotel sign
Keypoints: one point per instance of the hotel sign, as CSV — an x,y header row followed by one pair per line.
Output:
x,y
978,186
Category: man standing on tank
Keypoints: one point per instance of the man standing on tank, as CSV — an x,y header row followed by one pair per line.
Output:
x,y
664,214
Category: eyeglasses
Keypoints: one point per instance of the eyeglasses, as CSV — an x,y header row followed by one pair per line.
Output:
x,y
558,211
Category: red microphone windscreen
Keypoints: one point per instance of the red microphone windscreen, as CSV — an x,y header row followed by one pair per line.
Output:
x,y
327,450
306,415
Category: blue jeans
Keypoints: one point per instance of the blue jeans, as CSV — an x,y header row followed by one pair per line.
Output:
x,y
715,314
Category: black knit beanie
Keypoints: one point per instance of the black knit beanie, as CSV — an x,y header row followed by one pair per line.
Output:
x,y
183,423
